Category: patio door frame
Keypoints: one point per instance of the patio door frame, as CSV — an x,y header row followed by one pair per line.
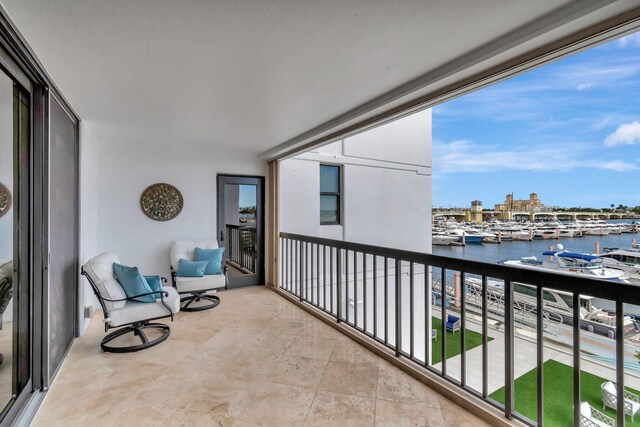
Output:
x,y
19,62
259,181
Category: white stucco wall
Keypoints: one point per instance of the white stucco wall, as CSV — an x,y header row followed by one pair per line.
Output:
x,y
115,172
386,192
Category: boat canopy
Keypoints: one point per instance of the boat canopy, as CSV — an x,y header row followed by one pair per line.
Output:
x,y
575,255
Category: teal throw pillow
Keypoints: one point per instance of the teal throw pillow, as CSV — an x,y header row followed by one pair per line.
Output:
x,y
132,282
188,268
155,283
213,258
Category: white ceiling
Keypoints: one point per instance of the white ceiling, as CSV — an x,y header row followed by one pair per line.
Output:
x,y
254,74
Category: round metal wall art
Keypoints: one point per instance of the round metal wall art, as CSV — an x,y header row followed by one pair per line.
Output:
x,y
5,199
161,202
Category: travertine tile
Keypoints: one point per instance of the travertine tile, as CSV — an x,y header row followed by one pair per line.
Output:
x,y
396,385
332,409
349,351
314,348
256,360
396,414
350,378
297,371
286,326
273,404
455,415
320,330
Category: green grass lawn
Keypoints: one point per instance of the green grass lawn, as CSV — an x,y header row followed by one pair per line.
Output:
x,y
472,340
558,394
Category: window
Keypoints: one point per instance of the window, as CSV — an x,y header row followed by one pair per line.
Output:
x,y
329,194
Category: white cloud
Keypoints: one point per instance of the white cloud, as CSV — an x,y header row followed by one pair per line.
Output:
x,y
464,156
584,86
627,133
619,166
630,41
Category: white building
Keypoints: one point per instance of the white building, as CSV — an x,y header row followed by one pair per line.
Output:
x,y
385,194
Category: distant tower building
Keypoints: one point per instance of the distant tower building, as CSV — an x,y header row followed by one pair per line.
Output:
x,y
510,206
475,214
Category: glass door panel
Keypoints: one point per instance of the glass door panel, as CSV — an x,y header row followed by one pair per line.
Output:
x,y
15,292
240,218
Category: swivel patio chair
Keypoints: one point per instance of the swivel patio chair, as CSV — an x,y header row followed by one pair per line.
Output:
x,y
126,314
610,399
195,289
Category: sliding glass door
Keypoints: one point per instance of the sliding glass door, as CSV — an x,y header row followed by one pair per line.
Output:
x,y
15,243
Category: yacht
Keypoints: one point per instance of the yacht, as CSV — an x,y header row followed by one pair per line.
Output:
x,y
557,307
442,239
466,235
571,263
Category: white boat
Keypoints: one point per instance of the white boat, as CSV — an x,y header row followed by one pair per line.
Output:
x,y
511,232
625,260
465,236
570,263
443,239
557,307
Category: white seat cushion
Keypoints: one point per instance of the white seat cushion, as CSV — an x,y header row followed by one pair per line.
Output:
x,y
138,311
194,284
100,270
185,249
635,406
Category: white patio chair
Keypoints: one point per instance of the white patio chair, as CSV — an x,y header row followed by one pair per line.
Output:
x,y
125,314
195,289
610,399
591,417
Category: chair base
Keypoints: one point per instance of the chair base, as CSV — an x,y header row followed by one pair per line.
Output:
x,y
137,330
214,301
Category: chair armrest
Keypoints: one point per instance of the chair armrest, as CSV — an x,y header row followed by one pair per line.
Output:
x,y
595,414
173,276
631,396
162,295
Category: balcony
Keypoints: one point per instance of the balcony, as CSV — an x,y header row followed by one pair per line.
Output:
x,y
256,359
531,343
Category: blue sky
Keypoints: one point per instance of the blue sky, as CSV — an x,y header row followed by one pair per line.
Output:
x,y
569,131
247,196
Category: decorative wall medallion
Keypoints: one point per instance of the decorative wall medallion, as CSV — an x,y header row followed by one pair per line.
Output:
x,y
161,202
5,199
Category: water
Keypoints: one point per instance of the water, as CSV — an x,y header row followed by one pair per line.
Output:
x,y
492,253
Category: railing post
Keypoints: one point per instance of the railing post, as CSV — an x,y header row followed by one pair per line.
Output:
x,y
398,307
540,354
339,285
508,349
576,359
620,362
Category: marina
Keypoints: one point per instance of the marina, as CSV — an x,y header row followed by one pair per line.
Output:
x,y
564,255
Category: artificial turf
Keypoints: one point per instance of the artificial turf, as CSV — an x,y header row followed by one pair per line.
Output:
x,y
472,339
558,394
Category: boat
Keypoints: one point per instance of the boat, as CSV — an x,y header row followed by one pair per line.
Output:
x,y
571,263
625,260
443,239
541,234
557,307
465,236
508,232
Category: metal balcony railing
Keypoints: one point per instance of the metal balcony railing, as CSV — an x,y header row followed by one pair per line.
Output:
x,y
241,247
391,296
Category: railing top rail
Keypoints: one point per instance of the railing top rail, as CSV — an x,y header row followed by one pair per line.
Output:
x,y
623,292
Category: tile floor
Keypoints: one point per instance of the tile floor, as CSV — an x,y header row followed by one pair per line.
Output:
x,y
256,360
